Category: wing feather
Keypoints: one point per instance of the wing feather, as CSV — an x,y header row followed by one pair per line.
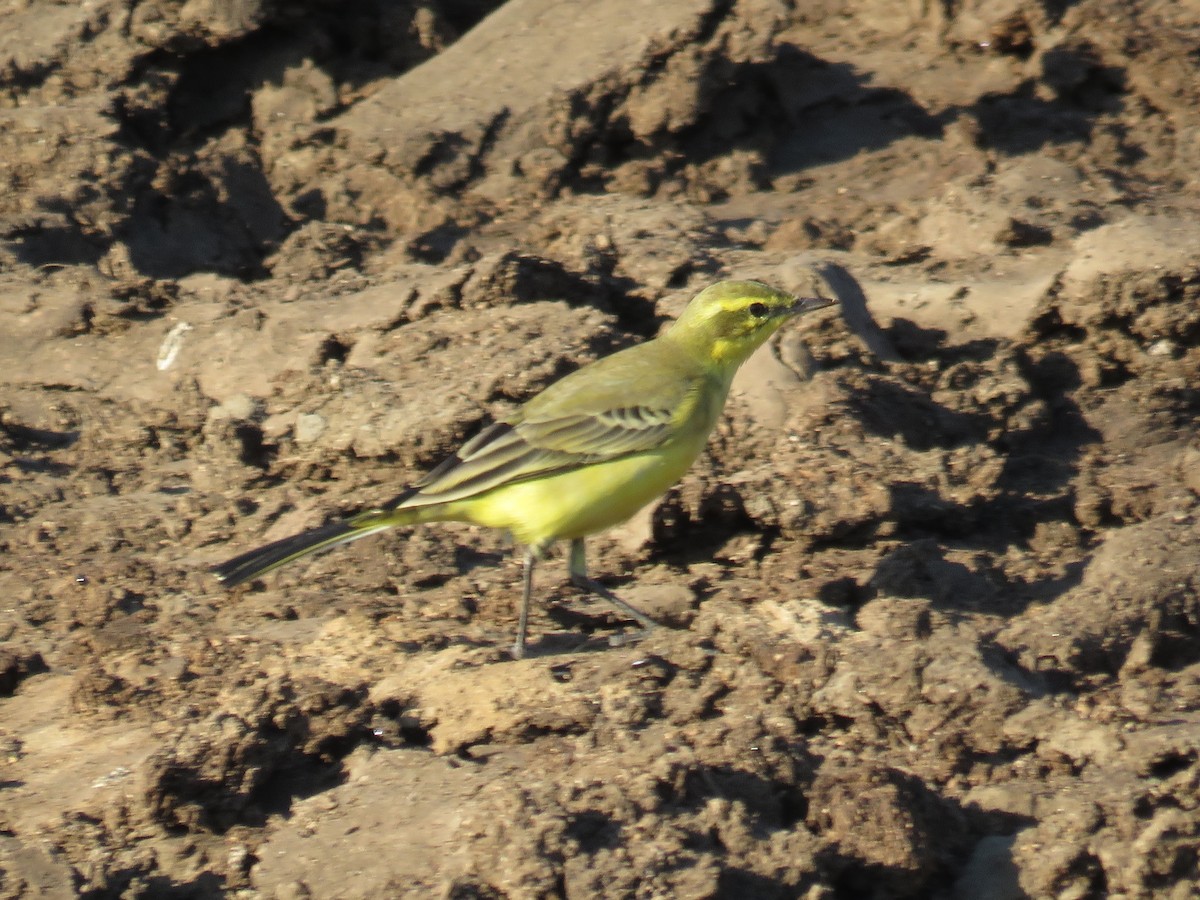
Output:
x,y
582,419
504,453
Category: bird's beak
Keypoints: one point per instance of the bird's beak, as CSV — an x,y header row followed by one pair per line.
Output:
x,y
808,304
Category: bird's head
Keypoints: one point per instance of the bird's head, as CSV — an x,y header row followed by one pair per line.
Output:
x,y
729,320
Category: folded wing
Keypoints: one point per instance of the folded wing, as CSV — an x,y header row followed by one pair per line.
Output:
x,y
514,451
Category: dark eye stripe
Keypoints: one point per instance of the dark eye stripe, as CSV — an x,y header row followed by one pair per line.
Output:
x,y
759,310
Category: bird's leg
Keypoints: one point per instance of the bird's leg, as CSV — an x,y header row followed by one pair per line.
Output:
x,y
577,569
531,557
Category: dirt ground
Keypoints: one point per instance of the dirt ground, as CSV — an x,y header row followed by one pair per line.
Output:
x,y
932,596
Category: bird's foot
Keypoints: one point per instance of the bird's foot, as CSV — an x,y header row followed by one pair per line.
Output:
x,y
630,637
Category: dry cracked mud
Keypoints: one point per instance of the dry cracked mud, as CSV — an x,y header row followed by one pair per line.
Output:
x,y
931,597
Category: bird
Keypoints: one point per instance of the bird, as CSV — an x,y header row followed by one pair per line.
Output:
x,y
583,455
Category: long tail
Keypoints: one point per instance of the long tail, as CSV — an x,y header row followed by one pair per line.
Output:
x,y
271,556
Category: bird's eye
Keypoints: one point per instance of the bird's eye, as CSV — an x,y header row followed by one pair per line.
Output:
x,y
759,310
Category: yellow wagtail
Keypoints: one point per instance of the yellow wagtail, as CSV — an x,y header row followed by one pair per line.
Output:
x,y
587,452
